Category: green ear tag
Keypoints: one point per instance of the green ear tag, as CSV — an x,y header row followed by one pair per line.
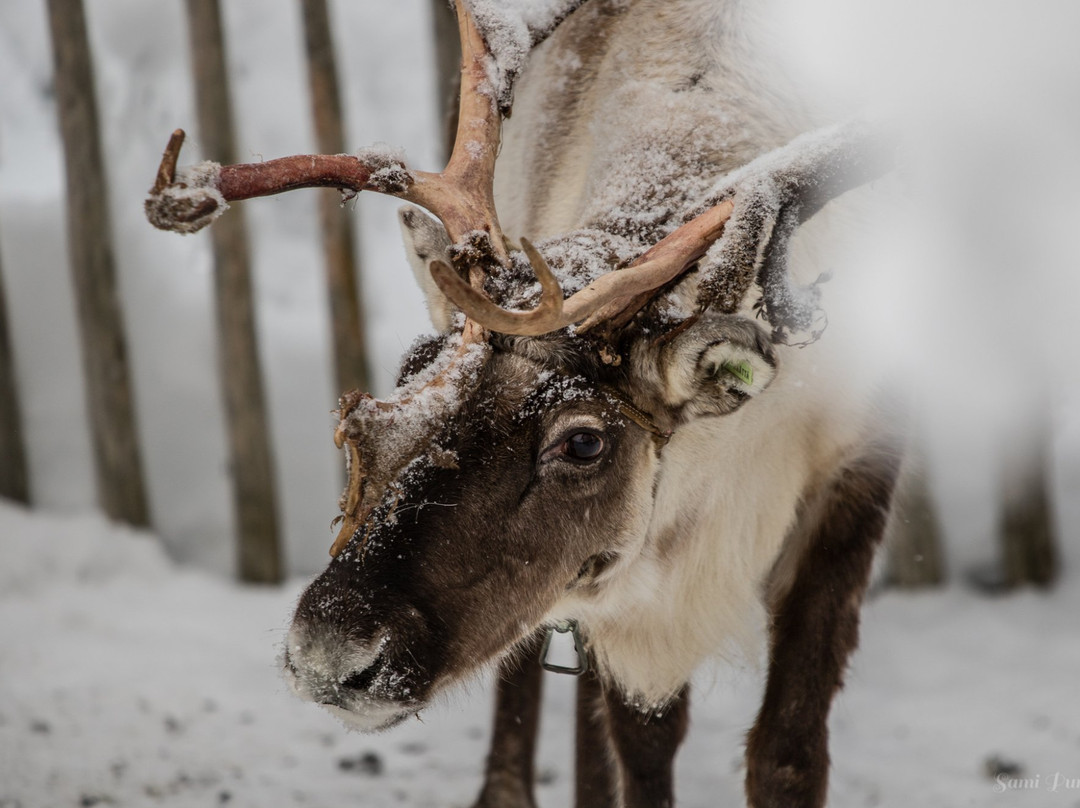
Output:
x,y
743,371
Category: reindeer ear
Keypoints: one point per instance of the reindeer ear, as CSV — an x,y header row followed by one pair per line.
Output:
x,y
716,365
426,241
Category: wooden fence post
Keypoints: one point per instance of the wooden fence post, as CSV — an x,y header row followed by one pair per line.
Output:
x,y
117,462
447,72
1029,544
14,480
346,310
251,464
913,537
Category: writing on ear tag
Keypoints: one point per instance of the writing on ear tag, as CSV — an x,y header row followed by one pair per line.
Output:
x,y
743,371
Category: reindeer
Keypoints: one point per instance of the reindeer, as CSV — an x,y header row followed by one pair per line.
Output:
x,y
613,431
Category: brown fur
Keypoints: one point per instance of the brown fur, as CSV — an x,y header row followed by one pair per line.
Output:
x,y
595,782
645,741
814,629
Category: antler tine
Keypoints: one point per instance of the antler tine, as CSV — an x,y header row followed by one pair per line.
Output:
x,y
470,171
460,196
807,173
549,314
614,296
661,264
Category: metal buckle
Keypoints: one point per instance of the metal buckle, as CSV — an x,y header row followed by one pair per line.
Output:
x,y
565,627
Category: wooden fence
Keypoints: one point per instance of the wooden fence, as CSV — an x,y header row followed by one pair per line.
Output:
x,y
1028,545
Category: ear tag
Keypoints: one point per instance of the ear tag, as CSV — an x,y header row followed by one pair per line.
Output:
x,y
742,370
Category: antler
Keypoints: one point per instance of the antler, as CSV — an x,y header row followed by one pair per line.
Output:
x,y
606,298
767,198
460,195
799,180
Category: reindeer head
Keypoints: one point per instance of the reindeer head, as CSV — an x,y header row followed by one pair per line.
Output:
x,y
505,475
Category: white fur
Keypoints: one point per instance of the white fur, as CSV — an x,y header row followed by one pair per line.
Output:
x,y
372,716
681,375
626,111
327,655
727,493
691,574
425,241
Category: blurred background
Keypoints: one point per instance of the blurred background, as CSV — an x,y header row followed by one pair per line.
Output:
x,y
966,285
968,293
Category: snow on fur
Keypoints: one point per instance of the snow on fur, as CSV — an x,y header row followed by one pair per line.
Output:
x,y
512,28
396,437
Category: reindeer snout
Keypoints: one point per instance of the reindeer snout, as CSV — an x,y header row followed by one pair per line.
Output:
x,y
328,668
326,686
351,678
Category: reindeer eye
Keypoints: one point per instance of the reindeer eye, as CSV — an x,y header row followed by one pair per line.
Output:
x,y
583,446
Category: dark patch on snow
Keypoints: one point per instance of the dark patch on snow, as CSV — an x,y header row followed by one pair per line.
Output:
x,y
90,800
996,766
368,764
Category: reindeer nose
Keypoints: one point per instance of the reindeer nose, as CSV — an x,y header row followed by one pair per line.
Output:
x,y
328,668
339,694
361,680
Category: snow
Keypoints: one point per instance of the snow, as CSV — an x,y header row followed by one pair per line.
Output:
x,y
194,189
129,680
389,174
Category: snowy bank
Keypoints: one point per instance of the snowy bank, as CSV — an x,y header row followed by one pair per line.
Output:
x,y
127,680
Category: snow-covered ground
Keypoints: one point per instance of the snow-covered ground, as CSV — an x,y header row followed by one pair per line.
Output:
x,y
128,680
132,672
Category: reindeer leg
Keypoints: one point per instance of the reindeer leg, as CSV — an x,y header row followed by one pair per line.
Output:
x,y
594,773
645,741
508,776
815,593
